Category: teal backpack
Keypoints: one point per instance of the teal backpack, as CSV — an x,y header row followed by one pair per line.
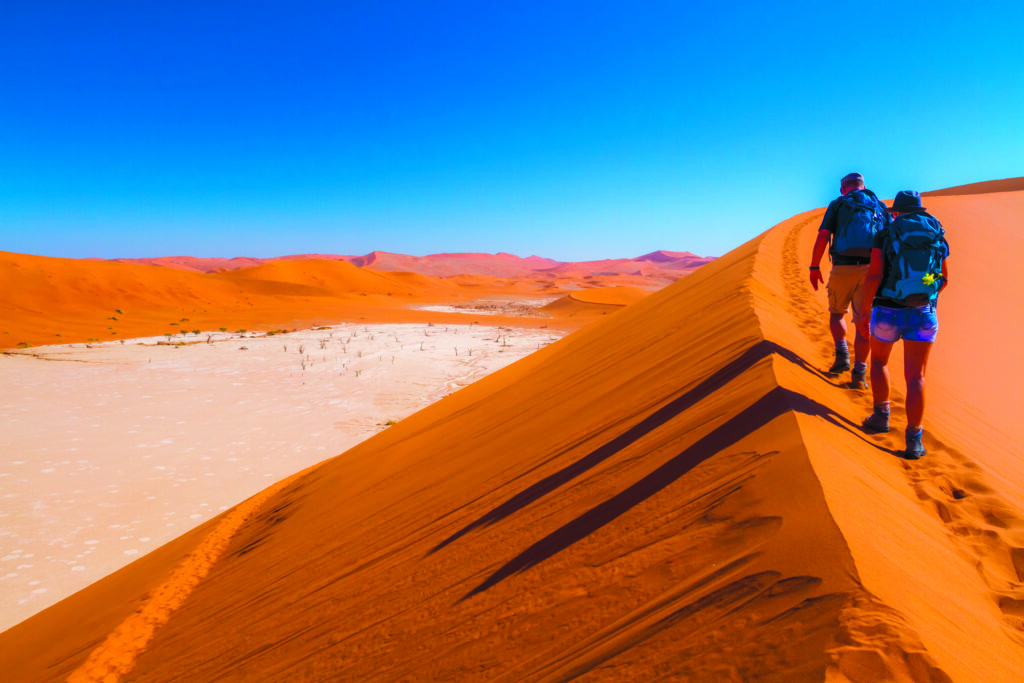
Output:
x,y
865,216
915,251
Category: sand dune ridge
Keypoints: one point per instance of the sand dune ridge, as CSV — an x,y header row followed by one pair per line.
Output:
x,y
676,491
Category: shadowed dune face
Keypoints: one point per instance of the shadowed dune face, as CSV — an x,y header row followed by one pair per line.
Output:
x,y
676,491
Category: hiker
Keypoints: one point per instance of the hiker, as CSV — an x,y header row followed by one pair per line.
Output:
x,y
848,230
908,269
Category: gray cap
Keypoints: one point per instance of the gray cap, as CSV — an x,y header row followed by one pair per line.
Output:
x,y
851,178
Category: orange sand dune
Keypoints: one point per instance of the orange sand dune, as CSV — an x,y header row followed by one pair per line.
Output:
x,y
616,296
658,266
656,262
676,492
48,300
341,278
52,301
589,304
192,263
497,265
1004,185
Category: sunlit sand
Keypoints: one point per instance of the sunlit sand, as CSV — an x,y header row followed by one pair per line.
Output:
x,y
676,490
108,452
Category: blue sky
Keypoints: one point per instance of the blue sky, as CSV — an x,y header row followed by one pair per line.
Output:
x,y
566,129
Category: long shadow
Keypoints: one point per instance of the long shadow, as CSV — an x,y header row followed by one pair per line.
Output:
x,y
716,381
770,406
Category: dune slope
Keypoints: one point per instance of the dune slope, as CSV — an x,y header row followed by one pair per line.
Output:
x,y
985,187
674,492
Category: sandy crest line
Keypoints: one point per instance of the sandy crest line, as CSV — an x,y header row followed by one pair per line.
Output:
x,y
115,656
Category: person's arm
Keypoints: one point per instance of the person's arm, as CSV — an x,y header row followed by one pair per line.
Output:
x,y
820,245
825,232
868,290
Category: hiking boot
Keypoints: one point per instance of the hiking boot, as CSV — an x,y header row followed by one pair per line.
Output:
x,y
878,421
842,364
915,449
858,380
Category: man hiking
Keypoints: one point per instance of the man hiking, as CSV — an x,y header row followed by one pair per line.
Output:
x,y
847,230
908,269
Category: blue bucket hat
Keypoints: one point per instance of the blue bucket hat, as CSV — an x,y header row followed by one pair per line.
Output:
x,y
907,201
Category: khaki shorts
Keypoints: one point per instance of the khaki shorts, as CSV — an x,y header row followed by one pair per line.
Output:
x,y
845,286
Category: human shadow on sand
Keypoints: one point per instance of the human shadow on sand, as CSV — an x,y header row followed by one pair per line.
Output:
x,y
670,410
776,402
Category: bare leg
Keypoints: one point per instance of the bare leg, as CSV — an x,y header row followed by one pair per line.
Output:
x,y
837,325
880,352
861,345
915,359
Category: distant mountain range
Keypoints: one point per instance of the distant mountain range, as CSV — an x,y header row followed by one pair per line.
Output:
x,y
669,264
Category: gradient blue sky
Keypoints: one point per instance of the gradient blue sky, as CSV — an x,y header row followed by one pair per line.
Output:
x,y
566,129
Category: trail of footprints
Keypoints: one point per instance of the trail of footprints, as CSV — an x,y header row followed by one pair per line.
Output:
x,y
984,525
801,305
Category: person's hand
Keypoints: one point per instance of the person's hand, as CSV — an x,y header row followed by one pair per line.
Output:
x,y
816,279
864,324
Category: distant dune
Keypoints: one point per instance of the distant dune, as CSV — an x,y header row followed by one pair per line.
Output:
x,y
675,492
443,265
196,265
51,300
648,264
615,296
496,265
586,304
1005,185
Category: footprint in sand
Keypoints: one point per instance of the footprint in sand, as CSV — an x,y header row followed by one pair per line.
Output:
x,y
980,521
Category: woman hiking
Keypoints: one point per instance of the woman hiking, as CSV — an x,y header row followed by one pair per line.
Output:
x,y
907,271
